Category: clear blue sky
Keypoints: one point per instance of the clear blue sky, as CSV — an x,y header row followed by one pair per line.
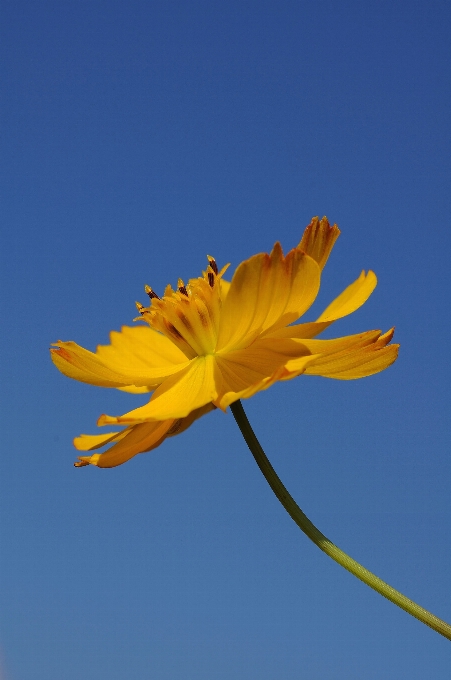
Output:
x,y
136,138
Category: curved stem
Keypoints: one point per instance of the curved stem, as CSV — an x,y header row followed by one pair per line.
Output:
x,y
322,541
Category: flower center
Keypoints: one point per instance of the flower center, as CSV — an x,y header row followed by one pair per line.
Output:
x,y
189,315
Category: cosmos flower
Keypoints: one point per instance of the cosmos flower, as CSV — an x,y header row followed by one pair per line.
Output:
x,y
211,342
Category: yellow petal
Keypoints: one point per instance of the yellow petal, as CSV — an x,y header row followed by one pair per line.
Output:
x,y
299,331
347,302
298,367
347,342
136,348
90,442
346,358
244,367
318,240
267,291
225,287
80,364
356,361
247,371
137,439
353,297
182,424
132,389
177,396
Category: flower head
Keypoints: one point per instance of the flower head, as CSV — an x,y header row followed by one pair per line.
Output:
x,y
209,342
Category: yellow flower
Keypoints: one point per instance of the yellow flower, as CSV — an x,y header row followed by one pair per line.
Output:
x,y
210,342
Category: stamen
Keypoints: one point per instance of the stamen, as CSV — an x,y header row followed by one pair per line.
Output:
x,y
181,288
184,319
203,318
213,264
188,314
151,293
172,329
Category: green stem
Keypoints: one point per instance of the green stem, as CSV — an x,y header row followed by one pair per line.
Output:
x,y
324,543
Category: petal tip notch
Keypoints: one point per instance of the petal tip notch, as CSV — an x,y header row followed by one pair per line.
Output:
x,y
318,240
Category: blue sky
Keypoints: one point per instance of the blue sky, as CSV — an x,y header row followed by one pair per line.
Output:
x,y
136,138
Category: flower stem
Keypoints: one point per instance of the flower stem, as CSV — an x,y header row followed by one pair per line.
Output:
x,y
324,543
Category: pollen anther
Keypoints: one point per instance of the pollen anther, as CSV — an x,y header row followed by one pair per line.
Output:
x,y
213,264
181,288
172,329
151,293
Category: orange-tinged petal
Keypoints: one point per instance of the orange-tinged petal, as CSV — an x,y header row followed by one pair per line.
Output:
x,y
346,358
357,361
136,439
347,342
385,338
302,290
177,396
80,364
267,291
318,240
353,297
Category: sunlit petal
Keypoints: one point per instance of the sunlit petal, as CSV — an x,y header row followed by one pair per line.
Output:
x,y
353,297
132,389
136,348
298,331
80,364
191,388
267,291
90,442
